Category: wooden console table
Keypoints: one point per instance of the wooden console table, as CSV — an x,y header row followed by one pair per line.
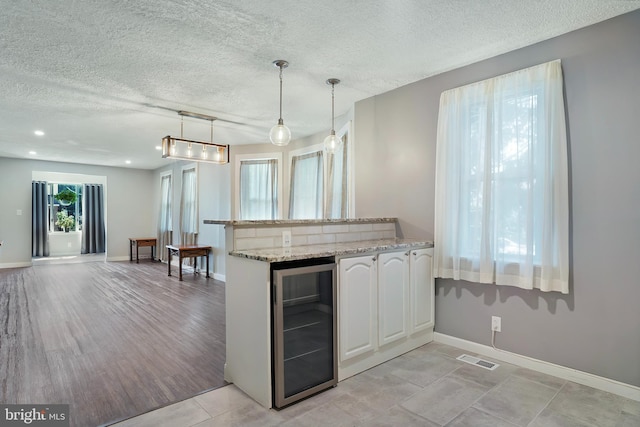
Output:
x,y
142,241
188,251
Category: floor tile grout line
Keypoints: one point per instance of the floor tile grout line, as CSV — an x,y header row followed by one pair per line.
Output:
x,y
484,394
195,400
549,402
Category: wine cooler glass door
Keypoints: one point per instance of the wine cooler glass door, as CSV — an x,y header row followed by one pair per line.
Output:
x,y
304,338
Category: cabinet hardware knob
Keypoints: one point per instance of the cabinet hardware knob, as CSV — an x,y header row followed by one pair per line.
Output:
x,y
373,259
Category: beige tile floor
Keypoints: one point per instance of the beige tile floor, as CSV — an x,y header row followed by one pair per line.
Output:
x,y
425,387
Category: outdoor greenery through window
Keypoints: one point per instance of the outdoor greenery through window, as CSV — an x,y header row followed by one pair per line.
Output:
x,y
65,207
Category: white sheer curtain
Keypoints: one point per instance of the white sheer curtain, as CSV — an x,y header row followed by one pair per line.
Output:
x,y
258,189
306,190
502,198
337,205
164,219
189,207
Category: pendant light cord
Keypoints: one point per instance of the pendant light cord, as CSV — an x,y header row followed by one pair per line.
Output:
x,y
333,86
280,120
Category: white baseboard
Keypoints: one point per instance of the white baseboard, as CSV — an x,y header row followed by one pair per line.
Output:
x,y
221,277
16,264
601,383
118,258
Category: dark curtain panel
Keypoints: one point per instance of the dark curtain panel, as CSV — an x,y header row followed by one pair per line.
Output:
x,y
93,236
39,219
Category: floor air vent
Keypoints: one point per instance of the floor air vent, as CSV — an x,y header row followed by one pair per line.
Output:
x,y
478,362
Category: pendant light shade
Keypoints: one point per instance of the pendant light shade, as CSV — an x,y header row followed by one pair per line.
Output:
x,y
332,142
280,134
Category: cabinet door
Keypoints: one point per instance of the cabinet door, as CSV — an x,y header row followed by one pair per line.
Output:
x,y
357,305
393,296
422,290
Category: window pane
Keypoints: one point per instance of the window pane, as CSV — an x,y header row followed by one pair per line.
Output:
x,y
59,209
258,189
306,186
501,174
337,197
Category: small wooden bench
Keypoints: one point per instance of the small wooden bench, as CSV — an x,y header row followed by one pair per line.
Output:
x,y
142,241
188,251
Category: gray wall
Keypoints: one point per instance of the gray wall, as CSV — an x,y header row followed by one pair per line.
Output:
x,y
128,198
596,328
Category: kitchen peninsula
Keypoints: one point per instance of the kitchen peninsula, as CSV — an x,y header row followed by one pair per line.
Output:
x,y
384,289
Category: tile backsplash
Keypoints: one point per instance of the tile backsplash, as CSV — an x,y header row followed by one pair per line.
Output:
x,y
270,236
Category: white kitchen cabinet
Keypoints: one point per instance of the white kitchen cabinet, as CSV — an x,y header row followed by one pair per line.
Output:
x,y
357,301
385,307
393,296
422,290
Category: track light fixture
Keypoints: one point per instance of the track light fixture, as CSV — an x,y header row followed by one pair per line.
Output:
x,y
280,134
186,149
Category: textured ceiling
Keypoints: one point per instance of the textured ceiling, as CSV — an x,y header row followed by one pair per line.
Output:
x,y
104,79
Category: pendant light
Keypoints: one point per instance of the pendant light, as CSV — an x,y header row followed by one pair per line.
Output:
x,y
187,149
332,142
280,134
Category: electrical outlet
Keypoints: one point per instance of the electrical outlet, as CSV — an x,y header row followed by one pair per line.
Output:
x,y
496,323
286,238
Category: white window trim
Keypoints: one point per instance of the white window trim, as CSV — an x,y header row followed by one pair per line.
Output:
x,y
261,156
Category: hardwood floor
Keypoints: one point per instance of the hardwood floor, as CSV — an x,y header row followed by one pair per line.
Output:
x,y
111,339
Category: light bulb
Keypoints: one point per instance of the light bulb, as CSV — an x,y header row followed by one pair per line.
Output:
x,y
280,134
204,152
172,150
332,143
189,150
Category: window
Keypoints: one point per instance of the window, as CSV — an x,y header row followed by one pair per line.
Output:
x,y
259,189
165,225
189,206
258,186
502,181
307,196
59,209
337,199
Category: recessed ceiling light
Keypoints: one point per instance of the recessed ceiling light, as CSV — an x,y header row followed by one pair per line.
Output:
x,y
128,162
38,132
158,147
33,153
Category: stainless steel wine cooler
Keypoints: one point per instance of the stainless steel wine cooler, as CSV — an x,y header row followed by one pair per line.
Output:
x,y
304,329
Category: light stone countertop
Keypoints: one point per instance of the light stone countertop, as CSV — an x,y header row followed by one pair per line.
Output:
x,y
238,222
328,250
